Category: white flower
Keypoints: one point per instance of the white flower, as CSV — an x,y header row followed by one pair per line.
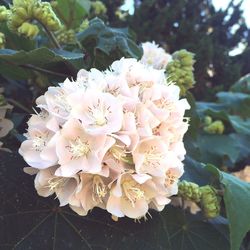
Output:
x,y
111,139
155,55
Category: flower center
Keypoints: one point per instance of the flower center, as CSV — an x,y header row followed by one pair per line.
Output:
x,y
39,141
62,102
152,157
98,113
99,189
132,191
164,104
78,148
170,178
43,114
55,183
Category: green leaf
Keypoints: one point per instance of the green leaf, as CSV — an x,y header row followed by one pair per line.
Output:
x,y
28,221
237,201
72,12
16,42
105,44
19,64
216,149
240,125
238,103
243,85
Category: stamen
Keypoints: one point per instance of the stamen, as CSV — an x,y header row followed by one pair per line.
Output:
x,y
57,182
132,191
99,113
39,141
78,148
99,189
152,157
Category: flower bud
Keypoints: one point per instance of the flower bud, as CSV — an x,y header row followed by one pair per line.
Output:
x,y
2,100
189,191
4,14
98,7
66,36
2,40
84,25
217,127
208,120
180,70
29,30
210,201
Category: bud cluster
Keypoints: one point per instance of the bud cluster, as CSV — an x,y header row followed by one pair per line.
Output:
x,y
98,7
2,40
180,70
23,12
205,196
213,127
65,36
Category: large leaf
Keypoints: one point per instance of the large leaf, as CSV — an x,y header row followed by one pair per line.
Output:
x,y
28,221
240,125
19,64
237,201
238,103
243,85
217,149
72,12
105,44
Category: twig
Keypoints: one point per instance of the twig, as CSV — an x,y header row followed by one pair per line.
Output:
x,y
38,69
50,35
19,105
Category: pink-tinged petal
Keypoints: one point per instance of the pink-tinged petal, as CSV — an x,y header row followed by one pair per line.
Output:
x,y
92,164
141,178
69,169
110,141
62,151
79,210
32,157
139,209
30,170
66,191
114,206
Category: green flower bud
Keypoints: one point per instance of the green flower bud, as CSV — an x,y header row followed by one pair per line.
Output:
x,y
4,14
180,70
2,100
217,127
210,201
189,191
29,30
99,7
66,36
207,120
84,25
2,40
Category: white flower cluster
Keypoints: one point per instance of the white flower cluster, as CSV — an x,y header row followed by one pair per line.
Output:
x,y
155,56
111,139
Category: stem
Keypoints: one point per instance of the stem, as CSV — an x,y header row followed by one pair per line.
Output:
x,y
38,69
19,105
51,36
